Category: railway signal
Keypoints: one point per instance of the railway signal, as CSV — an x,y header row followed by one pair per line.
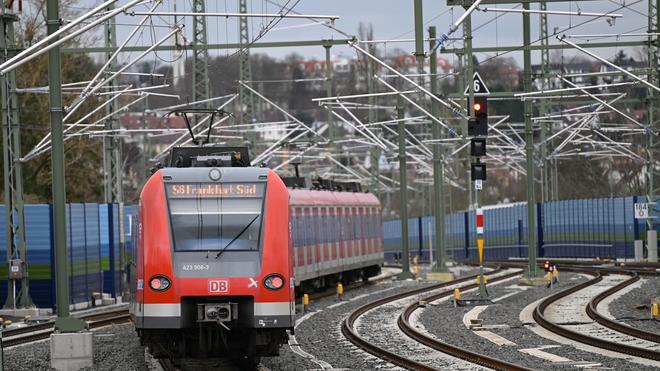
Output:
x,y
478,132
478,126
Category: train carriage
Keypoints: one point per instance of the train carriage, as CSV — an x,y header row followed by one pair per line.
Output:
x,y
220,248
336,236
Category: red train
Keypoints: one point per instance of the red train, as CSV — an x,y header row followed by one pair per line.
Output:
x,y
216,247
336,236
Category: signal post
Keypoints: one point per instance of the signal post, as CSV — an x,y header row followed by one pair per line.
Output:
x,y
478,132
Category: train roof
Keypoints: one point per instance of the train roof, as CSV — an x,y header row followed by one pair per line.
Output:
x,y
304,197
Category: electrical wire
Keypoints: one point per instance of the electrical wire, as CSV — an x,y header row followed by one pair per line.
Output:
x,y
557,32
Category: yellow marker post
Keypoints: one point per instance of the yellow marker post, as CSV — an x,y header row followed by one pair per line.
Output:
x,y
555,274
305,302
480,279
655,311
457,296
340,291
480,247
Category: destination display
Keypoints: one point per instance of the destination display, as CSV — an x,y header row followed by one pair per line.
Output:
x,y
202,190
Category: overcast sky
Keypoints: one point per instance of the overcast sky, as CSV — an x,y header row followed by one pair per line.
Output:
x,y
393,19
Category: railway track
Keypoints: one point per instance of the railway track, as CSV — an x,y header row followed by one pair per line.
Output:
x,y
619,347
456,351
331,291
592,312
348,328
41,331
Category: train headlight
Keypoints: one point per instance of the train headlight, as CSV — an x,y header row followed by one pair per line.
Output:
x,y
159,283
274,282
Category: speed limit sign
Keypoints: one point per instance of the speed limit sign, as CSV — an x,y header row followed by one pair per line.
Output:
x,y
478,86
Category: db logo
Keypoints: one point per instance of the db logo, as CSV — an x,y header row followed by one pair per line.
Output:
x,y
218,286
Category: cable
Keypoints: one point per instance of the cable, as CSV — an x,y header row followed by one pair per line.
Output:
x,y
556,32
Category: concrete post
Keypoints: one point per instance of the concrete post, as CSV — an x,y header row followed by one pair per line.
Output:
x,y
652,245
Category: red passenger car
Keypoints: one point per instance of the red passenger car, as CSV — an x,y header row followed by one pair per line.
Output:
x,y
213,271
216,247
336,236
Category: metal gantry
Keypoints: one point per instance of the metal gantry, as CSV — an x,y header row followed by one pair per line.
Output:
x,y
18,288
200,80
652,143
246,97
544,163
438,163
64,322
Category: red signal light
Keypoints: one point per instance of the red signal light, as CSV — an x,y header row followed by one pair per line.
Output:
x,y
477,107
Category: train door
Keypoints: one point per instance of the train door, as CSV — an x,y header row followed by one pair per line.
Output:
x,y
367,231
351,224
325,230
309,243
372,235
342,235
299,240
318,240
139,282
334,234
361,233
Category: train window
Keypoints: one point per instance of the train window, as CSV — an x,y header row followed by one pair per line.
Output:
x,y
332,228
294,229
226,218
308,226
349,224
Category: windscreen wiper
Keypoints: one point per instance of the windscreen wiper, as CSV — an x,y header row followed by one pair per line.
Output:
x,y
237,236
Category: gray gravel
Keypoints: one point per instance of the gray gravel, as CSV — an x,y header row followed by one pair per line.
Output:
x,y
115,348
321,335
28,357
446,322
634,307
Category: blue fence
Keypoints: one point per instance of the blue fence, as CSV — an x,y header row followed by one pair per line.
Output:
x,y
93,251
601,227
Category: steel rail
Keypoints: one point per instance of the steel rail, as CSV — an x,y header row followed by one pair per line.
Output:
x,y
539,317
349,332
28,334
592,312
453,350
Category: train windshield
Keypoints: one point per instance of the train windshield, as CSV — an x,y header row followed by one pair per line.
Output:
x,y
215,216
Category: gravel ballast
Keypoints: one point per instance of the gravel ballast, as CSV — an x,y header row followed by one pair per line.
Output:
x,y
446,322
116,347
320,334
634,307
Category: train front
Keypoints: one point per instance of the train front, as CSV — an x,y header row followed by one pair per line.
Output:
x,y
214,273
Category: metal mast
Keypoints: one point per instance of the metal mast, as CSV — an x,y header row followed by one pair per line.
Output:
x,y
13,170
200,83
112,161
64,322
529,145
546,193
245,72
112,154
652,173
438,164
403,190
374,152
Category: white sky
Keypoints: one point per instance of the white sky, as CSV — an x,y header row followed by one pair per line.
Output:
x,y
393,19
